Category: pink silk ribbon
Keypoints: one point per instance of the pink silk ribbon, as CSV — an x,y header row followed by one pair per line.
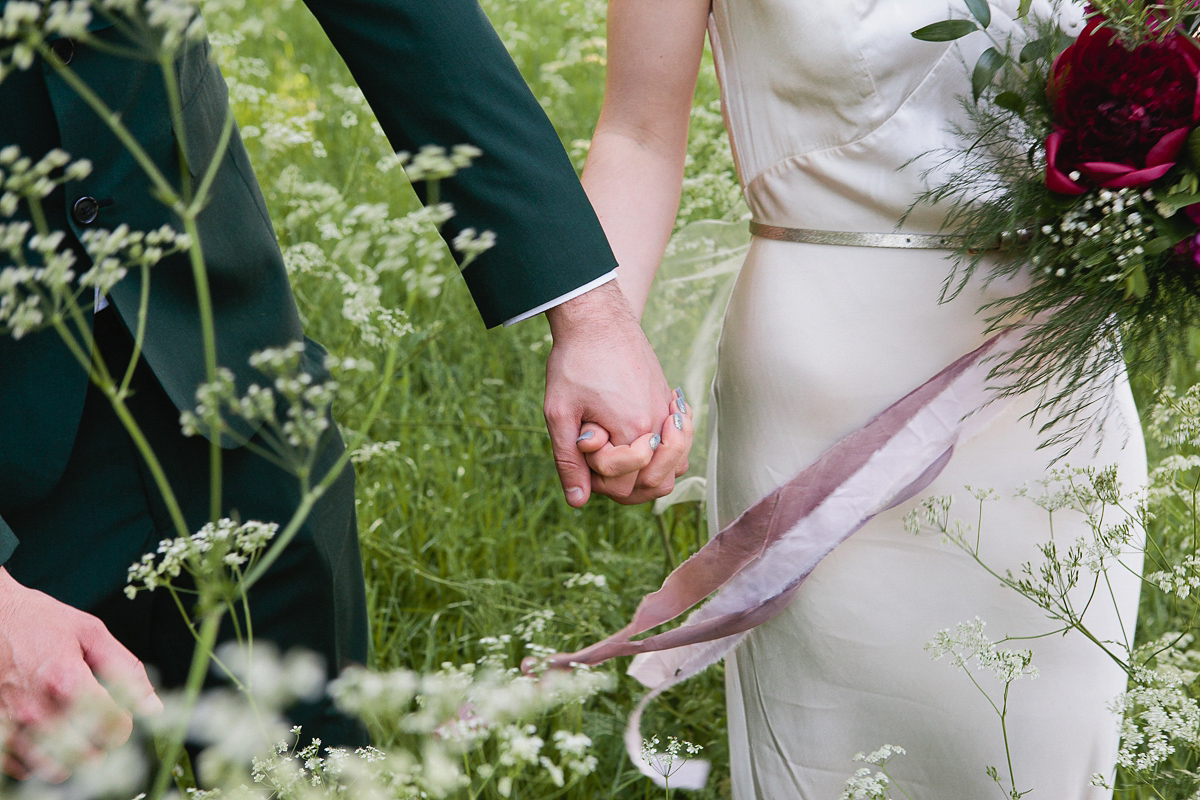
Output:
x,y
757,563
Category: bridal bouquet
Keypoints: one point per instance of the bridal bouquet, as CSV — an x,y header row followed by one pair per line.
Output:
x,y
1081,169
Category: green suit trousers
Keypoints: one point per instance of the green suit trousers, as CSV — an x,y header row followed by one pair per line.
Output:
x,y
78,541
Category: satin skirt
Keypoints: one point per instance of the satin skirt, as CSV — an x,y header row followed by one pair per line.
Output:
x,y
816,341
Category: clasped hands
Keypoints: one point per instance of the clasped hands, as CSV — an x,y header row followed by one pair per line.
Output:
x,y
616,426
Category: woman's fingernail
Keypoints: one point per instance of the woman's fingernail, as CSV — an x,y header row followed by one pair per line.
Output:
x,y
574,493
585,436
678,420
678,392
681,405
655,441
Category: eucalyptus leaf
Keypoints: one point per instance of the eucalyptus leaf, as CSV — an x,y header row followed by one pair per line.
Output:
x,y
986,67
945,31
1011,101
1038,48
1023,8
981,10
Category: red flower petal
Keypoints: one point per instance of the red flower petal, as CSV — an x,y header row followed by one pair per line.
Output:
x,y
1138,177
1104,170
1167,149
1056,181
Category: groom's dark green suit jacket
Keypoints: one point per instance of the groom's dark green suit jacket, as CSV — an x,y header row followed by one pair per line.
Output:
x,y
434,71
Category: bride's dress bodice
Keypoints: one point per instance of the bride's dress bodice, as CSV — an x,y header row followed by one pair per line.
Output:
x,y
835,110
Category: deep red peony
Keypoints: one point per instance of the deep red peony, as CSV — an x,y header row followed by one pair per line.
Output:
x,y
1121,117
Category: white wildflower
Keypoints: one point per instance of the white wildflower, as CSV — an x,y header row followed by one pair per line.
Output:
x,y
968,642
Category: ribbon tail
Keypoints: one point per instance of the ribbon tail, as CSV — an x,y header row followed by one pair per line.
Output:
x,y
753,568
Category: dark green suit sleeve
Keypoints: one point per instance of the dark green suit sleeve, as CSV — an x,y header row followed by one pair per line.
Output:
x,y
435,72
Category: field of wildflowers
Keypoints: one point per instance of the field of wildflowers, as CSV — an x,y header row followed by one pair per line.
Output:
x,y
471,554
473,561
456,490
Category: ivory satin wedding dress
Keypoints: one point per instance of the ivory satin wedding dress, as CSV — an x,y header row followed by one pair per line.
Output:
x,y
833,109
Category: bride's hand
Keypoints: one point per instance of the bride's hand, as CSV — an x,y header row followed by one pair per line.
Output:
x,y
643,470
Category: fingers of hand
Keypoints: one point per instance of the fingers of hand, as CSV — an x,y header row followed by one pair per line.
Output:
x,y
658,477
14,767
120,670
24,759
49,739
669,460
591,438
618,488
568,460
612,461
80,719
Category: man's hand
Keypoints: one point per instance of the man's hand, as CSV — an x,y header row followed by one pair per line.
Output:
x,y
602,370
52,659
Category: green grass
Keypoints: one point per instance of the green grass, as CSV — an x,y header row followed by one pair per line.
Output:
x,y
464,530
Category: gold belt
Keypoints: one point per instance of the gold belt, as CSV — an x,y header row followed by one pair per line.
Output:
x,y
910,241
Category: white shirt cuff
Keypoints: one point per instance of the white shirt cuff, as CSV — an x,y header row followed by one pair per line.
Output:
x,y
558,301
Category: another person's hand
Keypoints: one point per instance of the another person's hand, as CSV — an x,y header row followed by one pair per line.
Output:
x,y
52,660
602,370
611,464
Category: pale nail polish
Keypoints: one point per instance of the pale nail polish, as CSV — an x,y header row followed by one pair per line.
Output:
x,y
680,403
585,436
678,420
655,441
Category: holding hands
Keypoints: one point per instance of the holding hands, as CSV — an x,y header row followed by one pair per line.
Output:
x,y
616,427
645,469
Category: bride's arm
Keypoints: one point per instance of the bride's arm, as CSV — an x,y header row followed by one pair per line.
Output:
x,y
634,170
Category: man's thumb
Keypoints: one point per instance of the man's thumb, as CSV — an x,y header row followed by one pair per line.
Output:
x,y
572,468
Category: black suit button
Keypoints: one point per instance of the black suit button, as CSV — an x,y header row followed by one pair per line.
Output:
x,y
63,49
85,210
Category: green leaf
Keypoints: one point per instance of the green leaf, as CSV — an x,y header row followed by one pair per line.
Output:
x,y
1174,229
1136,284
1023,9
1159,245
945,31
1193,146
981,10
1011,101
985,69
1038,48
1178,201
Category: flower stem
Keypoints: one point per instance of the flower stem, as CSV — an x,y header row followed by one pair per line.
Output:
x,y
195,680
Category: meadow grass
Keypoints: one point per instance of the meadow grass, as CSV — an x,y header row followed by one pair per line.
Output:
x,y
466,538
465,534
